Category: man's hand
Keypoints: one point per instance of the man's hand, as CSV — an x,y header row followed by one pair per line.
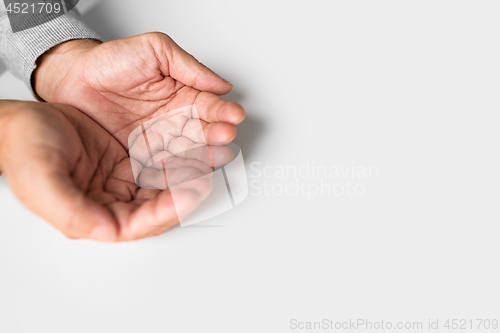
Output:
x,y
123,83
71,172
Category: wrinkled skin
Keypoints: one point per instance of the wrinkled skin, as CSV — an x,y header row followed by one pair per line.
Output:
x,y
178,138
70,171
89,182
123,83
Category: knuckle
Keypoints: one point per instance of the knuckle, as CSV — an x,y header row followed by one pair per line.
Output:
x,y
159,35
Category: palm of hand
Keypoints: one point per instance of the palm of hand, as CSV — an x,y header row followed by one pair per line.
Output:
x,y
121,84
85,179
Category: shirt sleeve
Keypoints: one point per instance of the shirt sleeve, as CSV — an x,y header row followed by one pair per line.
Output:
x,y
20,50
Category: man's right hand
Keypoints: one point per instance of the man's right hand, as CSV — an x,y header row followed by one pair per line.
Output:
x,y
126,82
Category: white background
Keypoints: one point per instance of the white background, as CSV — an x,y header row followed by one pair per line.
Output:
x,y
411,87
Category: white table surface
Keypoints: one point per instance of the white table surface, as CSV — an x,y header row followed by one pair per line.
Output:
x,y
410,88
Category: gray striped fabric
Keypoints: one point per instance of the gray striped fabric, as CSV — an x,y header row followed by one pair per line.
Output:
x,y
21,50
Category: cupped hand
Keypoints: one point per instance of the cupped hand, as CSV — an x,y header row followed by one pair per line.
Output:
x,y
123,83
165,146
74,174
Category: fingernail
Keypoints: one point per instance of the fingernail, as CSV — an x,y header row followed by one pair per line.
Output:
x,y
228,82
103,233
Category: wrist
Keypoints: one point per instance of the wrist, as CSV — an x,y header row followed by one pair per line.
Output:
x,y
55,64
8,110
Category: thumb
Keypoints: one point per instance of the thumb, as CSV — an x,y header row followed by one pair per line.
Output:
x,y
184,68
55,198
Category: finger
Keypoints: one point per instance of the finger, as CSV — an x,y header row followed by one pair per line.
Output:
x,y
154,217
211,155
162,155
152,178
213,108
181,144
185,68
136,168
202,132
54,197
160,176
